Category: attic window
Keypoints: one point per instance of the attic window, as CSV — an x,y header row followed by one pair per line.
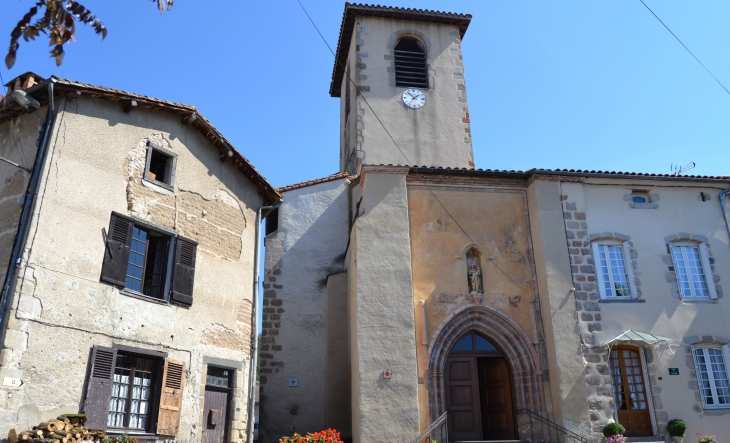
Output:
x,y
639,197
160,168
411,69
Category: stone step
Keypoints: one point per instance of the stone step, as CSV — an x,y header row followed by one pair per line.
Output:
x,y
652,439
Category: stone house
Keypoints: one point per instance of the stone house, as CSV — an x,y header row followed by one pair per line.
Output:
x,y
131,297
532,306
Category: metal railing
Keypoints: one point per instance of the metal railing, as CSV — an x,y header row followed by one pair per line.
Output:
x,y
443,433
568,435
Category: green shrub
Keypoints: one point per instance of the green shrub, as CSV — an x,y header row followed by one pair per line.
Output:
x,y
612,429
676,427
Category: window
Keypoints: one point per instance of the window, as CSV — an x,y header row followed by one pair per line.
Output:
x,y
160,167
134,390
614,270
149,261
411,69
132,384
712,376
693,270
640,197
473,343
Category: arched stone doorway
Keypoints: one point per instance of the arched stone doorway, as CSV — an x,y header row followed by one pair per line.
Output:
x,y
511,345
478,391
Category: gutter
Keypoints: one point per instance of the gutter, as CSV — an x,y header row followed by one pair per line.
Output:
x,y
724,209
260,216
28,204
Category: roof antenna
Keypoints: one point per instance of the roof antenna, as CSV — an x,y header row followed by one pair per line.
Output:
x,y
678,170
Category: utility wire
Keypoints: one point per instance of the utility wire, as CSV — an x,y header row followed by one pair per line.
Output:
x,y
349,78
685,46
17,142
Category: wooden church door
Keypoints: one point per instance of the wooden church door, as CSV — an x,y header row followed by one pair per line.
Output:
x,y
478,392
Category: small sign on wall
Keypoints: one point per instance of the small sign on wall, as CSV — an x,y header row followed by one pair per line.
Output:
x,y
673,371
12,382
293,382
387,374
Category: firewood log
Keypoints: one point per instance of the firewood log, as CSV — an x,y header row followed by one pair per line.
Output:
x,y
63,418
13,435
27,435
68,427
47,426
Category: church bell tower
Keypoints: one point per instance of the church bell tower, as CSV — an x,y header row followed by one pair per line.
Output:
x,y
400,76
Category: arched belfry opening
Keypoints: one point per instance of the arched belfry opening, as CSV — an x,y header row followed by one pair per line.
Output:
x,y
474,274
411,69
483,368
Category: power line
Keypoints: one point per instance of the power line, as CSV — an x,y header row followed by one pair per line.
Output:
x,y
685,46
349,78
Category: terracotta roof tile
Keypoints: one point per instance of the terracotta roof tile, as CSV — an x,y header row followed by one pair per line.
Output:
x,y
304,184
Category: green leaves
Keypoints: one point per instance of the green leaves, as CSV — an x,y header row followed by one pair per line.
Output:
x,y
59,22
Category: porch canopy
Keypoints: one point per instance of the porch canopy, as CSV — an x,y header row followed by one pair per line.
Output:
x,y
631,336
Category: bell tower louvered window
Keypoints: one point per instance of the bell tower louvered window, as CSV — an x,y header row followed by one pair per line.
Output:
x,y
410,64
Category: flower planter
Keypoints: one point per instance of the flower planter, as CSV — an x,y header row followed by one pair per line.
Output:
x,y
678,439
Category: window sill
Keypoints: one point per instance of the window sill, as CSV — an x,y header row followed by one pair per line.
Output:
x,y
708,301
618,300
141,296
160,184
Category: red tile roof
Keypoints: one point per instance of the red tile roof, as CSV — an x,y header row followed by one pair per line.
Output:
x,y
304,184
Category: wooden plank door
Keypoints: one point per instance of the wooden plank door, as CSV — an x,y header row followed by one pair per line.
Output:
x,y
462,398
215,415
498,419
630,393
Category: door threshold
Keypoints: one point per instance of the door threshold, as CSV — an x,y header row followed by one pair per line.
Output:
x,y
650,439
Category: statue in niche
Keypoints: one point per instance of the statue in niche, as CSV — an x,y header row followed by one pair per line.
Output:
x,y
474,271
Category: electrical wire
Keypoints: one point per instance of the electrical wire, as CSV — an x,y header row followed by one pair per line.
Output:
x,y
685,46
17,142
349,78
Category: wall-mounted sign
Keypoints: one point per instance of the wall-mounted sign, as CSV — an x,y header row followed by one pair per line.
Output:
x,y
12,381
293,382
673,371
387,373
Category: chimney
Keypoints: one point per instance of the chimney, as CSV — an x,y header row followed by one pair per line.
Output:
x,y
23,81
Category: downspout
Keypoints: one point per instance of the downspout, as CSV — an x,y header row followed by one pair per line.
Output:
x,y
28,204
254,317
724,209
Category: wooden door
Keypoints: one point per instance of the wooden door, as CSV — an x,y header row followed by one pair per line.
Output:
x,y
215,411
498,420
630,395
462,398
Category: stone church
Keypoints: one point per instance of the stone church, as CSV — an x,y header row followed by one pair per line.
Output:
x,y
528,306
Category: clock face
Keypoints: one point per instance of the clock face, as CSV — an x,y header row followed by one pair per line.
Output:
x,y
413,98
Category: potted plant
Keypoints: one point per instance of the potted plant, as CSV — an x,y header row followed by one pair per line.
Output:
x,y
676,428
706,438
614,433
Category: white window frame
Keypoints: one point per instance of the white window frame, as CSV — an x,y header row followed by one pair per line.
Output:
x,y
627,264
725,352
706,269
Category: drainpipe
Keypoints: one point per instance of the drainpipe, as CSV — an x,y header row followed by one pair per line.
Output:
x,y
28,204
724,209
260,215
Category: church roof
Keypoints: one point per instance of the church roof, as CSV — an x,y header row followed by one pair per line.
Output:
x,y
564,172
353,10
316,181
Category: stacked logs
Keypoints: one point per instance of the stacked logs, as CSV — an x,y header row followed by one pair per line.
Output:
x,y
67,428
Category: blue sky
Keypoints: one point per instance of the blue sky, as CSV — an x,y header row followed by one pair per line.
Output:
x,y
558,84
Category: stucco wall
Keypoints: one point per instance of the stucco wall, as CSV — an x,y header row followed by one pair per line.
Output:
x,y
17,144
676,211
381,309
60,307
309,245
554,280
437,134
